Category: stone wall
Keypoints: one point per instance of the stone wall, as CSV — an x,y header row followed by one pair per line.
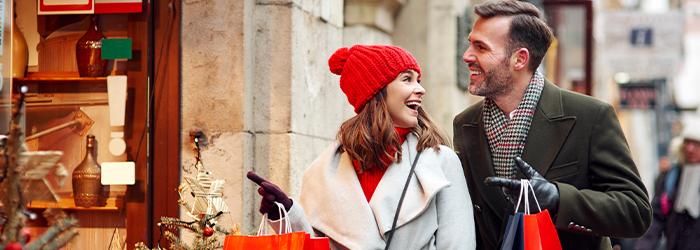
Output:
x,y
213,94
428,29
256,82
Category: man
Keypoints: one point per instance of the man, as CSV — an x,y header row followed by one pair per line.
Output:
x,y
580,165
677,198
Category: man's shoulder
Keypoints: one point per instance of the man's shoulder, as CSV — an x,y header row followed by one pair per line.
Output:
x,y
467,115
577,101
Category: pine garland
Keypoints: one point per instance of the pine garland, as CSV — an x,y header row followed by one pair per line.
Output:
x,y
10,182
16,214
57,236
197,227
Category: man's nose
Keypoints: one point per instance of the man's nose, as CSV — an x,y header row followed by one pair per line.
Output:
x,y
468,56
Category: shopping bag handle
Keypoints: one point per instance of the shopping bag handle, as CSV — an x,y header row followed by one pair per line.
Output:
x,y
262,229
524,184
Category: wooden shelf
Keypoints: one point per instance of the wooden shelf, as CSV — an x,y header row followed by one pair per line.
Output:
x,y
62,77
113,204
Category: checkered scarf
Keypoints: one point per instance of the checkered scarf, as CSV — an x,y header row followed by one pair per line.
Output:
x,y
507,137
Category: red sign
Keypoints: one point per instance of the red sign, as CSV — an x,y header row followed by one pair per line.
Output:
x,y
55,7
62,7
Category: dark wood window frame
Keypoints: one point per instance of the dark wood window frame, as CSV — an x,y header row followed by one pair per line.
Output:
x,y
156,58
588,65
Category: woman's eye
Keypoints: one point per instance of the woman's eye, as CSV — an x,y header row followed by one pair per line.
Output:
x,y
407,79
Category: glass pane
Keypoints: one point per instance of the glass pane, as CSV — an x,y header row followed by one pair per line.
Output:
x,y
568,51
5,62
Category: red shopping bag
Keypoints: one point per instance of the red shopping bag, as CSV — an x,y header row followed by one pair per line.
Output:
x,y
316,243
548,234
532,232
539,231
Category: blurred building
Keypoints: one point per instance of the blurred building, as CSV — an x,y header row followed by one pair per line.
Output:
x,y
255,76
255,80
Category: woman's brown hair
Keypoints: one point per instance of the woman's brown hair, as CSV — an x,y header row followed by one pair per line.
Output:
x,y
370,135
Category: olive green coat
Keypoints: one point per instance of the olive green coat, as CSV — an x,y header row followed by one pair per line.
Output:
x,y
576,142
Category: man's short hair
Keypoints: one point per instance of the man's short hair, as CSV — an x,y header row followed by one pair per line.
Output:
x,y
527,29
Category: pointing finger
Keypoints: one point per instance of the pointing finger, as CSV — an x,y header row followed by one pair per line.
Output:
x,y
502,182
255,178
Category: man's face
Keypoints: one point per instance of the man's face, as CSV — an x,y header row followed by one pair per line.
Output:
x,y
491,71
691,148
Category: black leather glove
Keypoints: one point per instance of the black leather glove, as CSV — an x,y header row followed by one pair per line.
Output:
x,y
270,193
546,192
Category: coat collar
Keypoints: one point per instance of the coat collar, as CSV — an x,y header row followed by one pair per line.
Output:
x,y
333,177
548,131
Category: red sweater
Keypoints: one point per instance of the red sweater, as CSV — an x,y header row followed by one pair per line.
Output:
x,y
370,179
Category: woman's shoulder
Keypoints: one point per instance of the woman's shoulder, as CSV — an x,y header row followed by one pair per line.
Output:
x,y
443,152
446,156
330,155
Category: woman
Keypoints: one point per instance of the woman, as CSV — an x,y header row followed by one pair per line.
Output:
x,y
350,193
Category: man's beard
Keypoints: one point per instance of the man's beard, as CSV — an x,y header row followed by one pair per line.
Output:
x,y
498,81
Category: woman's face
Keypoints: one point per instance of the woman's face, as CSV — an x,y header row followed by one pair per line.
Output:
x,y
403,99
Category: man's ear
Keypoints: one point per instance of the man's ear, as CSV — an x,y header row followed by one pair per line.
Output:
x,y
521,57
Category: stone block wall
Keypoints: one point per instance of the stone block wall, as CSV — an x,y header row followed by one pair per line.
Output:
x,y
428,29
256,82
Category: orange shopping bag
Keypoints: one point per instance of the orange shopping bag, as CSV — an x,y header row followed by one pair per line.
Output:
x,y
286,240
290,241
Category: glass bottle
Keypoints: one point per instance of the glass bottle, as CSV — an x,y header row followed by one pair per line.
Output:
x,y
88,52
87,184
20,51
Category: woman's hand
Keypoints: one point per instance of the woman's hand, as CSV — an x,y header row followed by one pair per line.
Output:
x,y
270,193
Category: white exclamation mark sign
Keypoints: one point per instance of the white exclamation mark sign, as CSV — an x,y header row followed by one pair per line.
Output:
x,y
116,89
117,173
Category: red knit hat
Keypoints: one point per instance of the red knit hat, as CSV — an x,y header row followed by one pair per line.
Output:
x,y
366,69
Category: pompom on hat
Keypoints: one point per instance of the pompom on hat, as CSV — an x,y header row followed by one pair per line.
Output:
x,y
366,69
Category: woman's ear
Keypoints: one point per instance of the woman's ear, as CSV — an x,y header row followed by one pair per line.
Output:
x,y
521,57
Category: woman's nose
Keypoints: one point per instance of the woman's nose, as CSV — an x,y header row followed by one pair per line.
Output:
x,y
419,90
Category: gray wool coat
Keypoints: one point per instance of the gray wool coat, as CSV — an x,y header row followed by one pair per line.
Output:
x,y
436,213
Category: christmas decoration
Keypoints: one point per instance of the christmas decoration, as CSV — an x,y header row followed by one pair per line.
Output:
x,y
13,246
15,165
26,235
33,167
208,195
208,231
208,207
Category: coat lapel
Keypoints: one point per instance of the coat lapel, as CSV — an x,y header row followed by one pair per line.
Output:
x,y
428,179
548,131
344,214
480,162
